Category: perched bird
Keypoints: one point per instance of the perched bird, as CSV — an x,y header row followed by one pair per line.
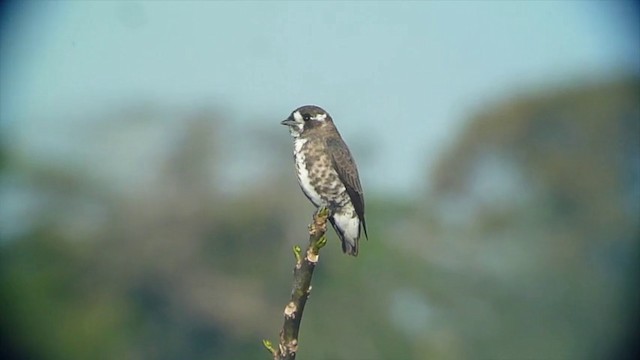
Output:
x,y
327,173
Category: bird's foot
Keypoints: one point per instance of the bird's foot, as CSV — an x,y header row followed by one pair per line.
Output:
x,y
322,211
319,224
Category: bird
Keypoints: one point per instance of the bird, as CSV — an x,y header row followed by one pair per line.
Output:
x,y
327,173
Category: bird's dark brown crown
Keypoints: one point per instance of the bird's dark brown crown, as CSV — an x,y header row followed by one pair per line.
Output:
x,y
311,111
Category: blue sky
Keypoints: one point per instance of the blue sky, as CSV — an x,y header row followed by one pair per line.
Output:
x,y
399,78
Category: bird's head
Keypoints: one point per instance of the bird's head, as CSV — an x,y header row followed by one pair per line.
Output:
x,y
306,118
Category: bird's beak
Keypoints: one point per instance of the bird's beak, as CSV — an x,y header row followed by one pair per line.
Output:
x,y
288,122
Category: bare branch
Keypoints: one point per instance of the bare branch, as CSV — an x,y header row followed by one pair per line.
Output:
x,y
302,274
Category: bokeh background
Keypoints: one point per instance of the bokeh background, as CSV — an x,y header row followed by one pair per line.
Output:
x,y
148,203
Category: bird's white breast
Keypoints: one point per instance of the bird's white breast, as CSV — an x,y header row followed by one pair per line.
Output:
x,y
303,173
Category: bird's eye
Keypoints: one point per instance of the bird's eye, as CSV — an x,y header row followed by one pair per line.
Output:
x,y
306,117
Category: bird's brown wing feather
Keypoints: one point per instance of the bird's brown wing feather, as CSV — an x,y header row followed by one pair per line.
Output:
x,y
348,174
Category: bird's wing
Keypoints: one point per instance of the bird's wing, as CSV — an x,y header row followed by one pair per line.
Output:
x,y
348,174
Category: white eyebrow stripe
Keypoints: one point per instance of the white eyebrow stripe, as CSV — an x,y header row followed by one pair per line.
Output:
x,y
297,116
321,117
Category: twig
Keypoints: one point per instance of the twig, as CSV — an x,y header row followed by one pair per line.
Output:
x,y
302,274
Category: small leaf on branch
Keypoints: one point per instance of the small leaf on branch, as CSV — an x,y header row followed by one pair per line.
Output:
x,y
297,252
269,346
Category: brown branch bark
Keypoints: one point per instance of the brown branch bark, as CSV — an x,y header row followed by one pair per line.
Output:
x,y
302,274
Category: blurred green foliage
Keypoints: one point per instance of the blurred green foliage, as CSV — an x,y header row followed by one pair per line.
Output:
x,y
526,246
